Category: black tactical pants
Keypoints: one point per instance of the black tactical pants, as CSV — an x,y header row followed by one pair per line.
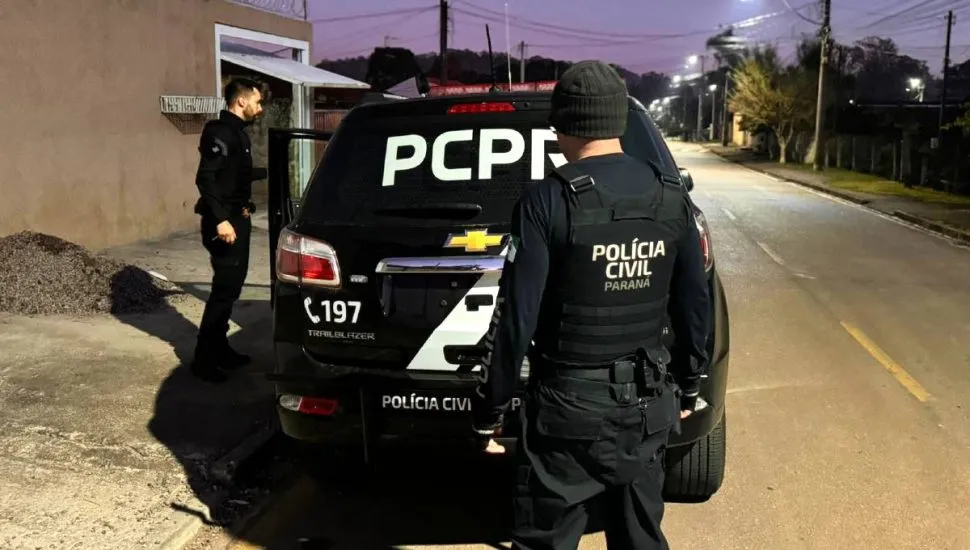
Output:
x,y
583,440
230,266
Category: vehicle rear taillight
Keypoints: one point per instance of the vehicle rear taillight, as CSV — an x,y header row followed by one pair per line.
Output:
x,y
705,233
306,261
483,107
318,406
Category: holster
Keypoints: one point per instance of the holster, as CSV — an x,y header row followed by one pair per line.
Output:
x,y
652,366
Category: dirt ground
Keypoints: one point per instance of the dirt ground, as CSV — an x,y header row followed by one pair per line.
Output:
x,y
105,442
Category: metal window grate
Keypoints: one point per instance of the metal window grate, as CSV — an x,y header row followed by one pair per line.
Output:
x,y
188,104
190,113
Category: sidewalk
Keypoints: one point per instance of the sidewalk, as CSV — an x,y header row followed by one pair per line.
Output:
x,y
106,441
945,214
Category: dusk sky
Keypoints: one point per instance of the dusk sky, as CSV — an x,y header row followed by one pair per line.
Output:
x,y
626,31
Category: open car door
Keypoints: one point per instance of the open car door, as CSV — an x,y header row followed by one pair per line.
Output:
x,y
287,181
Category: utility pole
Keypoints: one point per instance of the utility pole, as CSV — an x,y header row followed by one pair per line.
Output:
x,y
700,99
946,70
522,61
724,110
443,40
713,113
819,159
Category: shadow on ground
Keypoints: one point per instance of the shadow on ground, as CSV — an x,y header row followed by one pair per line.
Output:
x,y
411,497
201,422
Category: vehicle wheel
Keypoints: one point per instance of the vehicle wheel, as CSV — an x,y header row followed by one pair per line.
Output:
x,y
695,473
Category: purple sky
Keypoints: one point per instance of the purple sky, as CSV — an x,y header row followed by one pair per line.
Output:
x,y
625,31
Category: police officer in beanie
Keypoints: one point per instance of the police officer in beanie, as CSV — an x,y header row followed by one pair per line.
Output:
x,y
601,252
224,179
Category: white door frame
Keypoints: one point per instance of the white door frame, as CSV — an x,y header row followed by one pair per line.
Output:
x,y
300,111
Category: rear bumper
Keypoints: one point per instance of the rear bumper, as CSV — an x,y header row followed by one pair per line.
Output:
x,y
380,405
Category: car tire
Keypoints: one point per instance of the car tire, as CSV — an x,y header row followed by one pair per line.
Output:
x,y
694,473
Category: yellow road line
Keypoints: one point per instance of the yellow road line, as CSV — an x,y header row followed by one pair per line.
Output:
x,y
894,368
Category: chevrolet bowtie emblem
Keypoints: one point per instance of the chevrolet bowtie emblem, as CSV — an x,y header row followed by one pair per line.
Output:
x,y
474,241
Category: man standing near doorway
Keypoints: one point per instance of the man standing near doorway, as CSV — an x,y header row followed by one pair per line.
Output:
x,y
224,179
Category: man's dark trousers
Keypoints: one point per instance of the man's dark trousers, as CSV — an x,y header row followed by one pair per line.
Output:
x,y
230,266
588,439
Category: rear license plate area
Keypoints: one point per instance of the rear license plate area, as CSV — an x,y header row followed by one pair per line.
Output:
x,y
423,300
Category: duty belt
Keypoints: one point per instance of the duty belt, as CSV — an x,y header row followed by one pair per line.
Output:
x,y
647,370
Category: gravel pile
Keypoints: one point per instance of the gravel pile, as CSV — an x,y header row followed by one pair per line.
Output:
x,y
44,275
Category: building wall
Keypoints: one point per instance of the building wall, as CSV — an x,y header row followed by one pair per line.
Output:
x,y
84,152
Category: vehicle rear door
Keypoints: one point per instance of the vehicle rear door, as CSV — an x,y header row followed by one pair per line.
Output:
x,y
292,155
413,211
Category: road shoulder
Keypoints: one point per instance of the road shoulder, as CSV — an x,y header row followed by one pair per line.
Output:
x,y
106,440
948,220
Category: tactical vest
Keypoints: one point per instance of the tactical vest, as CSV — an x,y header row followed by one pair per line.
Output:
x,y
607,291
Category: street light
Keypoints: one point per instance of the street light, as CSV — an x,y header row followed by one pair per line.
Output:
x,y
916,85
713,89
692,60
677,79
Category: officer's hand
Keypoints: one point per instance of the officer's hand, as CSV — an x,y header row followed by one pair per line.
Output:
x,y
493,448
489,445
225,232
486,435
688,402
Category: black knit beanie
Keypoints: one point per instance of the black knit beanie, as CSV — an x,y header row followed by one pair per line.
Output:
x,y
590,101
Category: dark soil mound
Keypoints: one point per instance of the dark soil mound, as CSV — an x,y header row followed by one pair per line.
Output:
x,y
43,275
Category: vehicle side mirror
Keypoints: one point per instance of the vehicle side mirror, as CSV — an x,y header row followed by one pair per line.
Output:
x,y
687,180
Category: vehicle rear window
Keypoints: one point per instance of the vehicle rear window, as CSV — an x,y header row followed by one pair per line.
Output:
x,y
381,167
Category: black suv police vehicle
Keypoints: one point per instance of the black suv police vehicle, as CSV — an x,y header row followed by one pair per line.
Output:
x,y
386,271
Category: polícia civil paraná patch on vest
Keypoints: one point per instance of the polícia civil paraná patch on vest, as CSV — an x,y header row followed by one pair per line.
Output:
x,y
627,265
496,146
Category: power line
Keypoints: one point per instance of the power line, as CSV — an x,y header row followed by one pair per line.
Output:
x,y
575,30
539,29
800,16
615,44
588,42
907,11
371,15
380,26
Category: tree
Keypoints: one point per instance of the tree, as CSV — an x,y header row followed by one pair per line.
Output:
x,y
881,73
770,94
963,122
652,85
389,66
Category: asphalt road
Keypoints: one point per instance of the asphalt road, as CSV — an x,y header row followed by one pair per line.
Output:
x,y
847,426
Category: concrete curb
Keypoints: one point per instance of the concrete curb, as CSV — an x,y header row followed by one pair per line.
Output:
x,y
266,517
223,470
821,188
825,189
183,534
934,226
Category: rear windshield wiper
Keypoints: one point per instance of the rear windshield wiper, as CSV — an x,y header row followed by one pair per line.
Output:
x,y
451,211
